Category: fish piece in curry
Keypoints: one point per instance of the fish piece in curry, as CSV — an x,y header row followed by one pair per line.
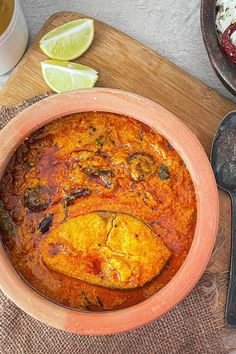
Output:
x,y
112,250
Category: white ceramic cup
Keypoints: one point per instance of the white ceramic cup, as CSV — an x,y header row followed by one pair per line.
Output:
x,y
13,41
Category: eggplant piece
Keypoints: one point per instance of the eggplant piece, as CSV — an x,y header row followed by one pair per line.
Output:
x,y
98,166
78,193
46,223
141,165
6,224
100,141
163,172
103,173
91,130
37,198
106,176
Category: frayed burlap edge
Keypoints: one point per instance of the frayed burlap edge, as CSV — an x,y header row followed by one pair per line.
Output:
x,y
7,113
214,286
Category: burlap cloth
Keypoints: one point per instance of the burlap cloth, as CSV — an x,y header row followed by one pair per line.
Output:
x,y
189,328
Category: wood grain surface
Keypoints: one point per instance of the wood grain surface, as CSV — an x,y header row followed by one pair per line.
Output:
x,y
126,64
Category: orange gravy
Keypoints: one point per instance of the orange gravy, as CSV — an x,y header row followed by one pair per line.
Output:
x,y
126,166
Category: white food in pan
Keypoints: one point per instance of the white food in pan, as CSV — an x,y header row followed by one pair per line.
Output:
x,y
226,15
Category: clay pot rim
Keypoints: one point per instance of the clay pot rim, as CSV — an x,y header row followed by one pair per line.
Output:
x,y
185,142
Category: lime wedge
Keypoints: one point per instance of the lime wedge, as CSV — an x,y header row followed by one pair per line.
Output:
x,y
62,76
68,41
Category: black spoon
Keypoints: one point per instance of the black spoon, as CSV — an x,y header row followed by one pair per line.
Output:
x,y
223,160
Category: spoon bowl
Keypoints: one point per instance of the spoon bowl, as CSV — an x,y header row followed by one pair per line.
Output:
x,y
223,159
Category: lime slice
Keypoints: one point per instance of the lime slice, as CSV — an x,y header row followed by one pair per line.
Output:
x,y
62,76
68,41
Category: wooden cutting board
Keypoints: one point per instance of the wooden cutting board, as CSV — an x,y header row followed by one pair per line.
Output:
x,y
126,64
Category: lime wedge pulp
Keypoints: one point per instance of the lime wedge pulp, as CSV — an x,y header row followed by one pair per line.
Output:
x,y
68,41
65,76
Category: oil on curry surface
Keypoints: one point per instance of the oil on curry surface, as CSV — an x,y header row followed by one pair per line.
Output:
x,y
97,211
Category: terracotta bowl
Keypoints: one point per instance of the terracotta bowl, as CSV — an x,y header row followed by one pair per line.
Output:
x,y
197,162
223,67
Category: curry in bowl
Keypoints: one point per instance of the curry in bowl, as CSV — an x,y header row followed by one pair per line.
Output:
x,y
97,211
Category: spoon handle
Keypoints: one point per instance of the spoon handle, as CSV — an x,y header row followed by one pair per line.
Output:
x,y
231,300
